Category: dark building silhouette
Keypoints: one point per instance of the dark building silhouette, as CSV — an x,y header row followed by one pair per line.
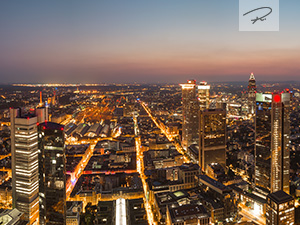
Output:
x,y
212,137
52,172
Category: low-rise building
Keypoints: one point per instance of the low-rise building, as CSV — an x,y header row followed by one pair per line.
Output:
x,y
73,212
187,215
280,209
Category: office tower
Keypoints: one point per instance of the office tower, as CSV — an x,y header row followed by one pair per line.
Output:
x,y
203,95
272,130
212,133
280,209
190,113
52,171
24,149
251,94
42,114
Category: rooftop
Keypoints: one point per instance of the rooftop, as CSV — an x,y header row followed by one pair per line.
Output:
x,y
280,197
188,212
52,126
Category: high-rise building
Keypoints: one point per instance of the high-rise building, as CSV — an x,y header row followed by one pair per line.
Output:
x,y
280,209
190,113
203,95
52,172
24,149
251,94
272,131
212,133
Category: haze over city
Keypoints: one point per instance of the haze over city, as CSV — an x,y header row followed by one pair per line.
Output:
x,y
142,41
130,112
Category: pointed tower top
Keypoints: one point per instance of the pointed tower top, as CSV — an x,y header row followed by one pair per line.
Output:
x,y
252,77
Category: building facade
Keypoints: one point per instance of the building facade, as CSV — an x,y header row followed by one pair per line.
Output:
x,y
190,108
52,172
203,95
280,209
251,94
212,137
272,154
24,149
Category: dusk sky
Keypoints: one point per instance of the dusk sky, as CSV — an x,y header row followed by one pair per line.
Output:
x,y
97,41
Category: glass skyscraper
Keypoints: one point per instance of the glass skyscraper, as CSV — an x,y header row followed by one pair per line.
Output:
x,y
212,133
52,172
272,154
203,95
190,113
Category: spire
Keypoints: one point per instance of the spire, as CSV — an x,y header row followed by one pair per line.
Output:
x,y
252,77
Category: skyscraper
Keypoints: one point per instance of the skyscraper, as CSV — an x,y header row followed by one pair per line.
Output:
x,y
272,130
212,133
24,149
280,209
251,94
52,171
190,109
203,95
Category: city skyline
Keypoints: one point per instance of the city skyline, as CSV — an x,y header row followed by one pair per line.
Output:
x,y
106,42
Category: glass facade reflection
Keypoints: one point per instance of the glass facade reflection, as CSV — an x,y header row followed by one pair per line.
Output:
x,y
212,133
52,174
272,154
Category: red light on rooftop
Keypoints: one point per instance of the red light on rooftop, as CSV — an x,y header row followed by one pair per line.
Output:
x,y
44,127
37,123
277,98
61,128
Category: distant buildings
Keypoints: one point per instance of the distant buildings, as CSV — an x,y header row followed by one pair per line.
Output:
x,y
190,115
52,172
25,180
272,154
280,209
251,94
212,133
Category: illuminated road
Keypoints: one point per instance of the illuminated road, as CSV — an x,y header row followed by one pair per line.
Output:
x,y
4,156
251,215
76,175
170,137
140,169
